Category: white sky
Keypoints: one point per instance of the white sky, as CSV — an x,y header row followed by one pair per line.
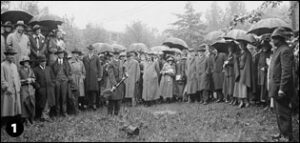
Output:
x,y
115,15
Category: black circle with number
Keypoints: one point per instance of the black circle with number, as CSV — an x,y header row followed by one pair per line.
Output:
x,y
14,127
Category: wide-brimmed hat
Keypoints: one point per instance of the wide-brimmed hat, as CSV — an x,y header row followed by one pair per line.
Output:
x,y
90,47
36,27
8,24
281,32
110,54
10,51
132,53
202,47
24,59
123,54
76,51
41,58
170,59
21,23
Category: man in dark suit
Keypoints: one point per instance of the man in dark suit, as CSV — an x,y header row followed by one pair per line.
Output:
x,y
45,82
93,76
37,41
281,83
62,72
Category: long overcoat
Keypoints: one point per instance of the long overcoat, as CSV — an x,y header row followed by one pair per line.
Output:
x,y
180,71
10,90
27,93
45,87
132,67
206,78
93,71
200,68
167,81
78,75
113,78
229,75
150,81
191,73
218,74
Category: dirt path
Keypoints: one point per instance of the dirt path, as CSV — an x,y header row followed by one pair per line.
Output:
x,y
166,122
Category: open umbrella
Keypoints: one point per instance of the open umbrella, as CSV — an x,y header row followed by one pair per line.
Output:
x,y
173,42
102,47
213,36
240,35
16,15
118,48
222,45
159,48
138,47
48,21
268,25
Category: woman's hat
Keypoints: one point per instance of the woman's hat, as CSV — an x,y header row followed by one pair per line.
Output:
x,y
8,24
170,59
36,27
90,47
41,58
21,23
77,51
24,59
10,51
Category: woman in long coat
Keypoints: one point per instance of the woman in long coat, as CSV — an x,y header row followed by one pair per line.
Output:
x,y
229,76
245,83
132,68
180,79
150,80
191,72
167,81
27,90
218,75
10,86
78,74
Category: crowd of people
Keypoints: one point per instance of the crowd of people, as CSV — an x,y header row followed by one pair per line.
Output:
x,y
41,81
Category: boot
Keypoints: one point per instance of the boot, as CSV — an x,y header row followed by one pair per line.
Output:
x,y
241,104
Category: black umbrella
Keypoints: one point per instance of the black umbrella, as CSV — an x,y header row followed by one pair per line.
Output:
x,y
268,26
173,42
49,21
16,15
222,45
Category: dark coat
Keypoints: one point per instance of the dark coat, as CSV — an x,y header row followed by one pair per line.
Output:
x,y
262,67
207,80
218,74
281,71
66,66
34,49
113,78
93,71
45,84
246,70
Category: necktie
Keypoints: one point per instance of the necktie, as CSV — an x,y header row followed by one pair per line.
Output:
x,y
37,42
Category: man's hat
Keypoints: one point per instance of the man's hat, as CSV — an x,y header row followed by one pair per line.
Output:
x,y
202,47
8,24
10,51
90,47
60,51
41,58
170,59
77,51
131,53
281,32
21,23
36,27
24,59
123,54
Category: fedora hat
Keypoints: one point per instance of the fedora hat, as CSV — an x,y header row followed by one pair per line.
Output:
x,y
10,51
41,58
7,24
21,23
76,51
90,47
281,32
36,27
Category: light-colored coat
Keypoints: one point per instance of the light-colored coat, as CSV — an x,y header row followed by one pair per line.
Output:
x,y
10,90
150,81
19,42
78,74
200,70
167,81
191,73
132,67
3,48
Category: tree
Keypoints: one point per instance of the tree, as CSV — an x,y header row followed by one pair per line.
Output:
x,y
138,32
188,27
215,17
4,6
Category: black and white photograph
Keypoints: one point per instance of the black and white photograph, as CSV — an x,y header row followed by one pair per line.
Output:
x,y
149,71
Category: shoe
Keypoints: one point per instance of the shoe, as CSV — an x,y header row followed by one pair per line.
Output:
x,y
201,102
94,108
218,101
247,105
205,103
235,103
241,105
277,136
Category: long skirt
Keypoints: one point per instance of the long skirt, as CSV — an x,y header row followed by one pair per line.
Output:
x,y
27,93
178,89
240,90
228,85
